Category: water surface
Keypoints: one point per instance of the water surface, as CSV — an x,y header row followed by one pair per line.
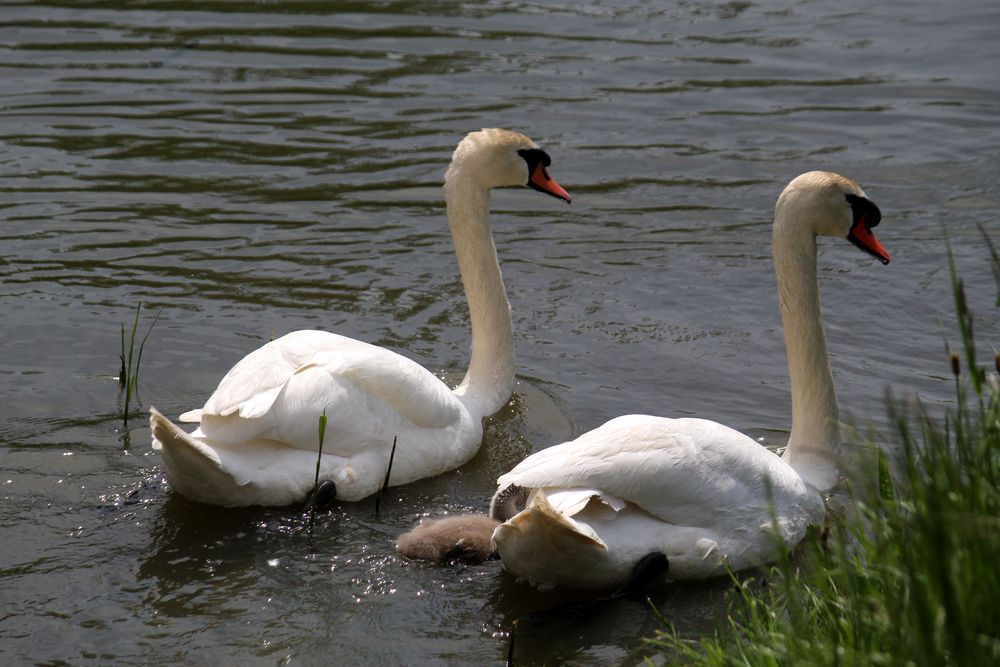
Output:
x,y
249,169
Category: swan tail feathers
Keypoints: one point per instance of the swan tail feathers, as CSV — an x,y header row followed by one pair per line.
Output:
x,y
542,522
547,548
189,417
167,436
194,468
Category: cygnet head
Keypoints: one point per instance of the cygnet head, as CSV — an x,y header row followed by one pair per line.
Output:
x,y
832,205
467,537
494,158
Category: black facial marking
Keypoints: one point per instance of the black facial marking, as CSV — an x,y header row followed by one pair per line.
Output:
x,y
865,212
538,176
863,207
533,156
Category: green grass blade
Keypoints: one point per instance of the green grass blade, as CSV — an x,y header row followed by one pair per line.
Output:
x,y
965,324
510,643
131,342
994,259
321,427
885,489
128,375
123,372
384,486
388,468
142,345
319,454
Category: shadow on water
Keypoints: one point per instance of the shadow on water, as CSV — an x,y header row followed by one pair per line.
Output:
x,y
193,546
561,626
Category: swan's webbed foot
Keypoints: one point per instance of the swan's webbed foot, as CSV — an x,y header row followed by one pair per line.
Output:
x,y
650,567
322,496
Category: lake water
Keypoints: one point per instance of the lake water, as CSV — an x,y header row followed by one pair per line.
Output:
x,y
250,170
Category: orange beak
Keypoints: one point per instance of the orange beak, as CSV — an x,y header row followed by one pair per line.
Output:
x,y
540,180
863,237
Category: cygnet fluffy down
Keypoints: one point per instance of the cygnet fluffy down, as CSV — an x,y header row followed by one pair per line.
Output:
x,y
467,537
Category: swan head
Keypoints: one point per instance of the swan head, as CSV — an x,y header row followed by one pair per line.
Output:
x,y
496,158
833,205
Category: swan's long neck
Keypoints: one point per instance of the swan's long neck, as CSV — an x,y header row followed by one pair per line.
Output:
x,y
813,447
489,381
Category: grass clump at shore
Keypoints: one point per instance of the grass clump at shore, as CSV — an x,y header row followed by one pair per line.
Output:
x,y
910,575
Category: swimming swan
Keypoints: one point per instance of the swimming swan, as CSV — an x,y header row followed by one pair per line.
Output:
x,y
257,440
588,513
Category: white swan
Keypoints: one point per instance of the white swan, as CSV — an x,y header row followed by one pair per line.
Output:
x,y
258,437
590,513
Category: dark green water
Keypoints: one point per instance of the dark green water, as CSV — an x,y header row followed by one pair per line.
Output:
x,y
250,169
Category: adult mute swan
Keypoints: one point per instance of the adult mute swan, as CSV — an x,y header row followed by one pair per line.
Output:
x,y
607,506
257,440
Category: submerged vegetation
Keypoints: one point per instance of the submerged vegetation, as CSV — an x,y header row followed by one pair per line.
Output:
x,y
908,576
128,375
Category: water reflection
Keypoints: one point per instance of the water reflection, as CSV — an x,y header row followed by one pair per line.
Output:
x,y
562,627
195,550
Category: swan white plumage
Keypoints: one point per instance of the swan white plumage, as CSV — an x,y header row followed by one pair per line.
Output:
x,y
584,513
257,440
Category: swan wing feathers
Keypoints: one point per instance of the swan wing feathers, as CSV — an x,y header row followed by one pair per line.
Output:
x,y
675,469
307,370
573,500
